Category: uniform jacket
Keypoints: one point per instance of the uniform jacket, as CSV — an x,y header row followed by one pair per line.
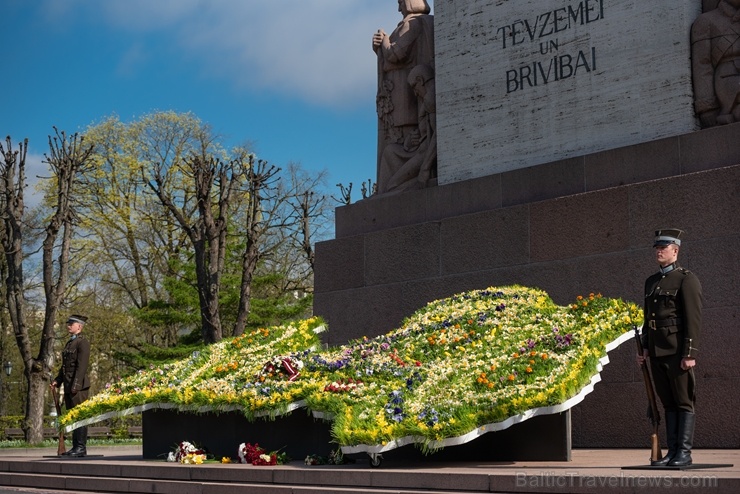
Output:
x,y
73,373
673,303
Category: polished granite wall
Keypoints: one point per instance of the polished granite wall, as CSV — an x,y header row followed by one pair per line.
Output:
x,y
569,227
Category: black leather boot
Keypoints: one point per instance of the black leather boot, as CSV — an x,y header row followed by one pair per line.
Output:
x,y
686,421
79,441
671,434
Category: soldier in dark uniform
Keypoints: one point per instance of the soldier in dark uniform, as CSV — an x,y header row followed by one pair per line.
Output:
x,y
673,303
73,374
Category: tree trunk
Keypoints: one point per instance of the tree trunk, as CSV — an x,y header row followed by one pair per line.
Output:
x,y
38,385
249,266
209,315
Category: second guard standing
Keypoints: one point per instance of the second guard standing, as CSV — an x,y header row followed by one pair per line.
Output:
x,y
673,306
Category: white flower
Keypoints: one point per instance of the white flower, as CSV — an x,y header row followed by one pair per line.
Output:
x,y
242,452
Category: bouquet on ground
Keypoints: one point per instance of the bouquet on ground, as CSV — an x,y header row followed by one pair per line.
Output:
x,y
336,457
187,453
254,454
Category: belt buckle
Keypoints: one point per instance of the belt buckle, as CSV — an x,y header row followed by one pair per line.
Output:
x,y
651,324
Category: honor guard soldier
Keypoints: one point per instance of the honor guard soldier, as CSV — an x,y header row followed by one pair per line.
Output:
x,y
73,374
673,304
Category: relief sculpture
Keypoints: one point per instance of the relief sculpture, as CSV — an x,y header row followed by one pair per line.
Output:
x,y
715,59
407,150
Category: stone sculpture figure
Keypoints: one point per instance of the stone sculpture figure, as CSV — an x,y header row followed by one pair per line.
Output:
x,y
715,54
412,164
411,44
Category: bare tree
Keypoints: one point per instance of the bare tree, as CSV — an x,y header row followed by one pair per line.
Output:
x,y
308,206
67,158
206,229
283,211
12,184
259,218
311,216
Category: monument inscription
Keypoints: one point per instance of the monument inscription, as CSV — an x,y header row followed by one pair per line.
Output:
x,y
543,30
525,82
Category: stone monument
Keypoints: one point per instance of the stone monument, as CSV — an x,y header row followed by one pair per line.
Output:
x,y
568,131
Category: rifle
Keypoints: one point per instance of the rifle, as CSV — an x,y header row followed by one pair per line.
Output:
x,y
653,414
60,446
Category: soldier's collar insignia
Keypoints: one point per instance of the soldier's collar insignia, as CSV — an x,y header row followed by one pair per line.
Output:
x,y
668,269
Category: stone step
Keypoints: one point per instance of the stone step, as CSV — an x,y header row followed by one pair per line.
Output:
x,y
164,478
111,485
123,470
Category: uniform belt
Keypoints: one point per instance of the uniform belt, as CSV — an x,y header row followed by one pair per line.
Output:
x,y
653,324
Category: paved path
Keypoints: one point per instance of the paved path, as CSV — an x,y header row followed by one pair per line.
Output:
x,y
591,470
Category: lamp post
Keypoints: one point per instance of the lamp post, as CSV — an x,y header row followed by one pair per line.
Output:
x,y
5,388
8,368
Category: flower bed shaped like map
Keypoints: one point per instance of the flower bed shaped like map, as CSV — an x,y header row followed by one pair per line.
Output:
x,y
458,367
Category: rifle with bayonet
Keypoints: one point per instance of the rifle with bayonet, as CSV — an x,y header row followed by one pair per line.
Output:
x,y
653,414
60,446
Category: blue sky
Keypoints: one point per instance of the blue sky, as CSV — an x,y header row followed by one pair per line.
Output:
x,y
294,78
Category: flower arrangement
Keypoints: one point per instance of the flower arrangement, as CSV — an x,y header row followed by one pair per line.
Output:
x,y
336,457
248,453
285,367
455,366
187,454
343,385
254,454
